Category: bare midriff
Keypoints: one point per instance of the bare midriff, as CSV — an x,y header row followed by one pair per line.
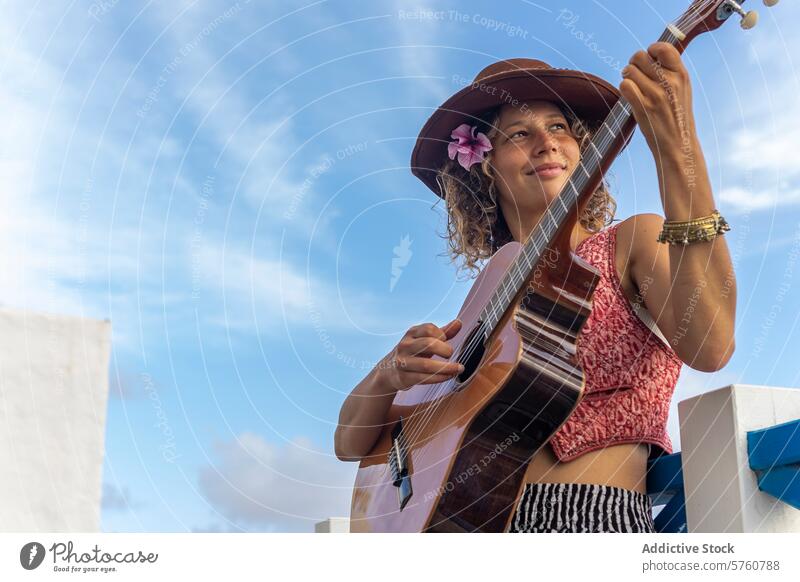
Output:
x,y
623,466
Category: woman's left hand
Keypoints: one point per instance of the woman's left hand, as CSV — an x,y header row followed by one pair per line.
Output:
x,y
656,84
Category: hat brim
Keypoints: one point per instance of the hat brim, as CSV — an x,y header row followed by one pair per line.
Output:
x,y
586,96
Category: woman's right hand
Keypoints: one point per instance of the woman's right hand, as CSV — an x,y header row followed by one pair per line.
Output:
x,y
410,362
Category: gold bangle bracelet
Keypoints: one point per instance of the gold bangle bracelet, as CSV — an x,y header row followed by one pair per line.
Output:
x,y
713,217
684,232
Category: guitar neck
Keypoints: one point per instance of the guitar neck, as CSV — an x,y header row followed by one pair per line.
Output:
x,y
607,142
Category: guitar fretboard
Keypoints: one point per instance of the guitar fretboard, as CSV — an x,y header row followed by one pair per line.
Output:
x,y
587,173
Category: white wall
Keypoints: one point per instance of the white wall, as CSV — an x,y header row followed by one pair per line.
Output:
x,y
722,493
333,525
53,395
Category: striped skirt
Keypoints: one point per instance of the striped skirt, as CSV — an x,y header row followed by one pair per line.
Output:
x,y
582,507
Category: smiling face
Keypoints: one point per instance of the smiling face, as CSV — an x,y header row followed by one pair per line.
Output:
x,y
534,153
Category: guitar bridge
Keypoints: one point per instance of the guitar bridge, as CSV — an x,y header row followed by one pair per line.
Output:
x,y
398,463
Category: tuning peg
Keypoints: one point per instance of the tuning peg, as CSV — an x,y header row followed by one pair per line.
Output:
x,y
770,3
749,20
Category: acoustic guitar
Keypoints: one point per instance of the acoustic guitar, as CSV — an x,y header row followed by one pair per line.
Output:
x,y
452,456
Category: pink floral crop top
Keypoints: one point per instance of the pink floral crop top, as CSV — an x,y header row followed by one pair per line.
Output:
x,y
630,373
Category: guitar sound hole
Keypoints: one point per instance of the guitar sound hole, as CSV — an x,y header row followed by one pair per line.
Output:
x,y
471,354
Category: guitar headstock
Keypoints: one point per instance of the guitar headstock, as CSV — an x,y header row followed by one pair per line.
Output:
x,y
708,15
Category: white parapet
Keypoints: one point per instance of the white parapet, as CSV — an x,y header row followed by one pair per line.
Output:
x,y
721,490
53,396
333,525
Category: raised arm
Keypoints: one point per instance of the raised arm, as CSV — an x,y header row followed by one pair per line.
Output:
x,y
691,289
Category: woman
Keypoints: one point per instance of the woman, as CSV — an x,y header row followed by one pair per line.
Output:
x,y
656,306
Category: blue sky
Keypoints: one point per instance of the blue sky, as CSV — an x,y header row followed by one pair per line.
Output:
x,y
227,182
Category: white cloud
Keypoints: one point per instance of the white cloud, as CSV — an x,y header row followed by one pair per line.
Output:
x,y
60,251
220,103
39,248
771,245
761,152
261,293
770,145
117,498
742,200
419,59
263,487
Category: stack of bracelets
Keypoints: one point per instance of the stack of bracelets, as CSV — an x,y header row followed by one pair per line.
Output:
x,y
688,231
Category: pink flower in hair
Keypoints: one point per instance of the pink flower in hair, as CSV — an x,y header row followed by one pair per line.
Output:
x,y
471,149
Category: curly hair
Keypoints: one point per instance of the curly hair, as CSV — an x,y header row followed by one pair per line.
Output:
x,y
476,227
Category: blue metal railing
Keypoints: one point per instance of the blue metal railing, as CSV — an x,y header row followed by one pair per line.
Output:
x,y
665,487
773,454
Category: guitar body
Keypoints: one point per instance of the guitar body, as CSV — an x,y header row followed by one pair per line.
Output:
x,y
453,456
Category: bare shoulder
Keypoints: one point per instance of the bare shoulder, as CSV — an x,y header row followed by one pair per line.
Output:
x,y
646,266
639,224
637,241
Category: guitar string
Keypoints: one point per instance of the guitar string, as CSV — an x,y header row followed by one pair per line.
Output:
x,y
479,335
666,35
692,18
548,214
439,389
618,115
442,388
